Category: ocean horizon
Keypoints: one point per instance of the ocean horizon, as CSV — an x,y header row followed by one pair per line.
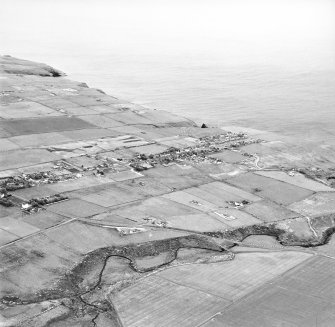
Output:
x,y
271,76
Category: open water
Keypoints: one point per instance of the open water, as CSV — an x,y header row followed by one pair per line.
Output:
x,y
267,64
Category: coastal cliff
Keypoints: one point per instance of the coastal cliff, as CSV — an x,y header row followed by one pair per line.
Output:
x,y
10,65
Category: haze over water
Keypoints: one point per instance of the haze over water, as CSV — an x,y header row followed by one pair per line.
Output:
x,y
267,64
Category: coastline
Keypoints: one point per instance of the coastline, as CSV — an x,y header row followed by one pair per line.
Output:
x,y
91,179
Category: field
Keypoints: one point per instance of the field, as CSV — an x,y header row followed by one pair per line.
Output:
x,y
233,280
159,207
220,195
31,156
269,211
178,177
43,125
318,204
40,139
297,180
196,222
229,156
276,191
235,218
302,297
189,295
158,302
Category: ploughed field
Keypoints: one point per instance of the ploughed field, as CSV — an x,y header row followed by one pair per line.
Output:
x,y
112,214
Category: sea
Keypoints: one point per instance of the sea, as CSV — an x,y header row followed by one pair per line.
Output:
x,y
265,64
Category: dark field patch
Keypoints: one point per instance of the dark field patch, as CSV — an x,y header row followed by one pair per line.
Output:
x,y
43,125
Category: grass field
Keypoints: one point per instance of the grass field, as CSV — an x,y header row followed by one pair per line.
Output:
x,y
304,296
268,211
232,280
157,302
318,204
274,190
196,222
297,180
